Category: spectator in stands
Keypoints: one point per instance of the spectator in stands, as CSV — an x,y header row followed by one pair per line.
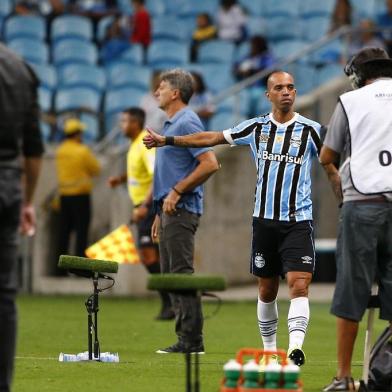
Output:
x,y
141,25
205,30
365,38
115,42
26,7
200,101
258,59
231,21
155,117
384,20
76,166
342,15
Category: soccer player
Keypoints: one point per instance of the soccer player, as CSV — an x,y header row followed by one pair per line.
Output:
x,y
139,176
283,144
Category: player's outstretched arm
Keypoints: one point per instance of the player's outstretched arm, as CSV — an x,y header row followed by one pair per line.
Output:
x,y
201,139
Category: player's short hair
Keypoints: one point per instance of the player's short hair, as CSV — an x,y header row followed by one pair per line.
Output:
x,y
275,71
138,113
181,80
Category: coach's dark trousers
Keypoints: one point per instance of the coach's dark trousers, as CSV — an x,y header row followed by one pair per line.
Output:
x,y
10,199
176,247
75,213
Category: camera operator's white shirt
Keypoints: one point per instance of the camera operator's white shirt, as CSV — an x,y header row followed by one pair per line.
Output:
x,y
369,114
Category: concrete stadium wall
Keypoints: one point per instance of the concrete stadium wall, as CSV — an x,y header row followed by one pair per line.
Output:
x,y
224,235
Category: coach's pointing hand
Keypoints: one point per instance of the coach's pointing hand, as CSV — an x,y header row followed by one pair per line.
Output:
x,y
153,139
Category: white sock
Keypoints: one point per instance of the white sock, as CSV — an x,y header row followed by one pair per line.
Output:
x,y
298,319
267,315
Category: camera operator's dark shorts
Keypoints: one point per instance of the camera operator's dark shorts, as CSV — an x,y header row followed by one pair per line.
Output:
x,y
281,247
363,257
144,230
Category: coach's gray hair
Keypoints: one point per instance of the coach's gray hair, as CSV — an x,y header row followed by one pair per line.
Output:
x,y
181,80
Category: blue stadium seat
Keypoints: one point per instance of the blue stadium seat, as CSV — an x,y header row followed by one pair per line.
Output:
x,y
279,28
133,55
82,75
6,7
365,8
286,48
46,131
329,53
71,26
216,51
156,7
217,76
328,72
305,77
285,8
45,99
77,98
162,28
252,7
121,75
125,7
256,26
29,26
315,27
220,121
232,103
311,8
102,26
47,75
167,54
31,50
242,50
74,51
92,132
192,8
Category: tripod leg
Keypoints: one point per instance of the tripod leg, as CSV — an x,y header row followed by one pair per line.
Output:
x,y
368,342
188,372
90,337
197,374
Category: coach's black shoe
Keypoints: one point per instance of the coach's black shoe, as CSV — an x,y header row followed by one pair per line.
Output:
x,y
179,348
342,384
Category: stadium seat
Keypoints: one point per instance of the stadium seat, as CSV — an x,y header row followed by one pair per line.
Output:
x,y
315,27
31,50
305,77
252,7
285,8
234,102
328,72
311,8
47,75
46,131
217,76
74,51
365,8
191,9
45,99
121,75
77,98
125,7
102,26
29,26
216,51
279,28
92,132
133,55
156,7
286,48
222,120
6,7
120,98
162,28
256,26
71,26
82,75
242,50
329,53
167,54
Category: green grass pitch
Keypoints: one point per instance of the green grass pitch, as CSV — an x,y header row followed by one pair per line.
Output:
x,y
50,325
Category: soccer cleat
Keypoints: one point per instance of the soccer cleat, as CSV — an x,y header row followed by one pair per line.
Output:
x,y
297,356
343,384
180,348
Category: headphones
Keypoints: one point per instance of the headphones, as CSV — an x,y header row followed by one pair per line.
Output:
x,y
354,73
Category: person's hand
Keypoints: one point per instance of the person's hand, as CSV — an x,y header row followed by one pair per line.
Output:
x,y
27,220
155,229
139,213
170,202
114,181
153,139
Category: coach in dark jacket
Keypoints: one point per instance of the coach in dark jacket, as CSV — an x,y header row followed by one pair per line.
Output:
x,y
20,151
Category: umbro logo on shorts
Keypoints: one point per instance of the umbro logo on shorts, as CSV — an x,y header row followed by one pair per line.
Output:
x,y
306,259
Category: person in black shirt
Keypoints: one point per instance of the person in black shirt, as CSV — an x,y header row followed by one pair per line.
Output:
x,y
20,152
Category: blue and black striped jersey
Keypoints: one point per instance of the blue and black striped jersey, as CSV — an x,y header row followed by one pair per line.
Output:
x,y
283,156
